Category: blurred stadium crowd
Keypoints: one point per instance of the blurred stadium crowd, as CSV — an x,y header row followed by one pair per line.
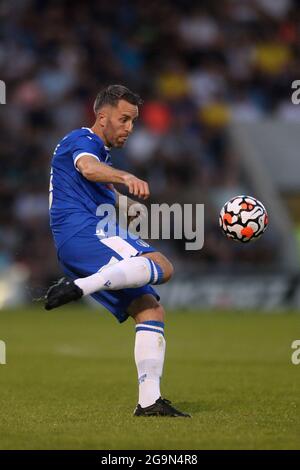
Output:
x,y
197,65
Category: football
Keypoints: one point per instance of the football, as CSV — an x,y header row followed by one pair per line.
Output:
x,y
243,218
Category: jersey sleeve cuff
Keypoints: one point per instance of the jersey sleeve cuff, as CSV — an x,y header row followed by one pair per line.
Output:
x,y
84,153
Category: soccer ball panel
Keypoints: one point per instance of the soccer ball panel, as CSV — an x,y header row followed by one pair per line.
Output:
x,y
234,205
252,215
236,230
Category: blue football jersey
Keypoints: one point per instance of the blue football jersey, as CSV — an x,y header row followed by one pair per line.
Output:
x,y
74,199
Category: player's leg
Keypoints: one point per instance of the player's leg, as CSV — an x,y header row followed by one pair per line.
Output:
x,y
132,272
128,273
149,353
83,256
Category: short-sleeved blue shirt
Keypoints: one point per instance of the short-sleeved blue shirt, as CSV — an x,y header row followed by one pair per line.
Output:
x,y
74,199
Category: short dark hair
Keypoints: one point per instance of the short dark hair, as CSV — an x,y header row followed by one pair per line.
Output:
x,y
113,94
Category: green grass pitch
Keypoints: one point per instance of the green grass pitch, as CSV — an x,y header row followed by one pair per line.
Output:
x,y
70,381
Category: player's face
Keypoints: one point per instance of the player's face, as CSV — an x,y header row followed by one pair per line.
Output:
x,y
118,123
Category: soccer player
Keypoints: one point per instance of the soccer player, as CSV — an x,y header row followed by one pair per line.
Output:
x,y
117,270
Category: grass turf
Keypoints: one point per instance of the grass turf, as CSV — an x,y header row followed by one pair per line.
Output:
x,y
70,382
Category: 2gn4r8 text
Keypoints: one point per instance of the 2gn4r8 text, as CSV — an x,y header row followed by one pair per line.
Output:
x,y
164,459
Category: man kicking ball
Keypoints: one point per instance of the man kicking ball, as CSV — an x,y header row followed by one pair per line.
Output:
x,y
117,270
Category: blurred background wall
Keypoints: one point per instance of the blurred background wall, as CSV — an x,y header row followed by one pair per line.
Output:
x,y
217,121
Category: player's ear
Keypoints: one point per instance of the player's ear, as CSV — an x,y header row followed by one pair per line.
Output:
x,y
102,118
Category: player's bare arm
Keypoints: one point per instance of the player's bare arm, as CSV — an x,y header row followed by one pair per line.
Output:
x,y
99,172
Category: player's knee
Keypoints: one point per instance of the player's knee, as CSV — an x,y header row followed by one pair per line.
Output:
x,y
168,270
164,263
158,313
146,308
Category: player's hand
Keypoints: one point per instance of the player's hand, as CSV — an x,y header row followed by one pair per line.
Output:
x,y
136,186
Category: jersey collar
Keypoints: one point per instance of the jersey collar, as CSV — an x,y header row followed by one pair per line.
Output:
x,y
108,149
